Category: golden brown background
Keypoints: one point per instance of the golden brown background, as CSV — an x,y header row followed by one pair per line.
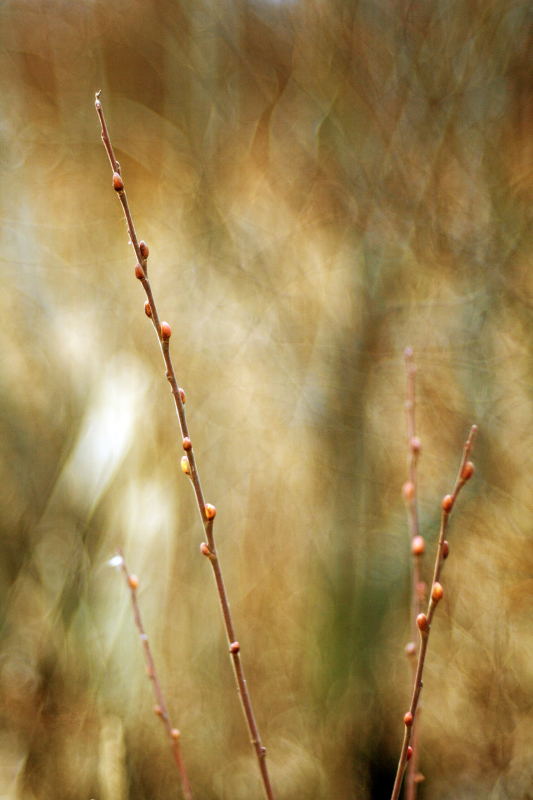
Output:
x,y
320,184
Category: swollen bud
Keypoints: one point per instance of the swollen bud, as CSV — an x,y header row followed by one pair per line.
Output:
x,y
139,274
204,549
133,581
410,649
437,592
418,546
408,719
187,444
234,647
416,445
143,247
158,710
165,331
182,395
118,183
210,511
422,622
409,753
147,309
175,734
447,502
408,490
185,465
445,549
467,471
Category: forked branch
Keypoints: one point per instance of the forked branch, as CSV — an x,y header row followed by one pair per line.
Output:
x,y
207,511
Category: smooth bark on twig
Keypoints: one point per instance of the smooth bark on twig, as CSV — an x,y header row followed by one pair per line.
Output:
x,y
466,470
207,512
161,708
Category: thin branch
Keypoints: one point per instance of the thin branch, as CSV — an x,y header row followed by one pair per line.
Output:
x,y
410,491
466,470
207,511
161,707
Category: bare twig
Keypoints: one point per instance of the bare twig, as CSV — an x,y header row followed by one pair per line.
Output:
x,y
466,470
410,492
161,707
207,511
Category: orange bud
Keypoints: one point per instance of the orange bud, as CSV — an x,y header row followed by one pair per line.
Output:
x,y
415,444
133,581
175,734
410,649
139,272
418,546
437,592
409,753
210,511
204,549
187,444
408,490
185,465
165,331
158,710
422,622
445,549
234,647
182,395
143,247
447,502
408,719
467,471
147,309
118,183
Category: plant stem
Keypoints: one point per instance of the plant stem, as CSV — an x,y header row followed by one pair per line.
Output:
x,y
447,506
163,333
161,708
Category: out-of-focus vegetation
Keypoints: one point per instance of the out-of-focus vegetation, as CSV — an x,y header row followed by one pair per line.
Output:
x,y
320,184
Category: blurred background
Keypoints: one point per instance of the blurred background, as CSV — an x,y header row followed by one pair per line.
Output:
x,y
320,185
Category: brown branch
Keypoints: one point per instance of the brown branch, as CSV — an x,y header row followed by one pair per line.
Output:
x,y
207,511
161,707
466,470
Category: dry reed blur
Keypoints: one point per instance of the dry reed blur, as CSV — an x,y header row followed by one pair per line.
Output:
x,y
327,182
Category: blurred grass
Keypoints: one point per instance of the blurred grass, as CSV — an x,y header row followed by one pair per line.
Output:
x,y
320,185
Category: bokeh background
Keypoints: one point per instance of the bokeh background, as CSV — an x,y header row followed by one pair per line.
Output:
x,y
321,184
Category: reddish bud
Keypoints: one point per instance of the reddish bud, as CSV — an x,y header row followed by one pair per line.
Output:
x,y
133,581
204,549
408,719
437,592
118,183
445,549
422,622
234,647
165,331
139,272
409,753
175,734
185,465
182,395
467,471
187,444
410,649
147,309
447,503
158,710
416,445
210,511
418,546
408,490
143,247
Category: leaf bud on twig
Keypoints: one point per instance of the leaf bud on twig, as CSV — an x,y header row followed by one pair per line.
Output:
x,y
418,546
182,395
447,503
133,582
445,549
185,465
467,471
410,649
187,444
409,753
175,734
158,710
118,183
143,247
422,622
210,511
437,592
204,549
415,445
408,490
165,331
408,719
234,647
139,273
147,309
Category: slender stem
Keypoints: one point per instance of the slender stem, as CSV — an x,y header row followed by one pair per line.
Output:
x,y
163,333
161,708
447,504
413,444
